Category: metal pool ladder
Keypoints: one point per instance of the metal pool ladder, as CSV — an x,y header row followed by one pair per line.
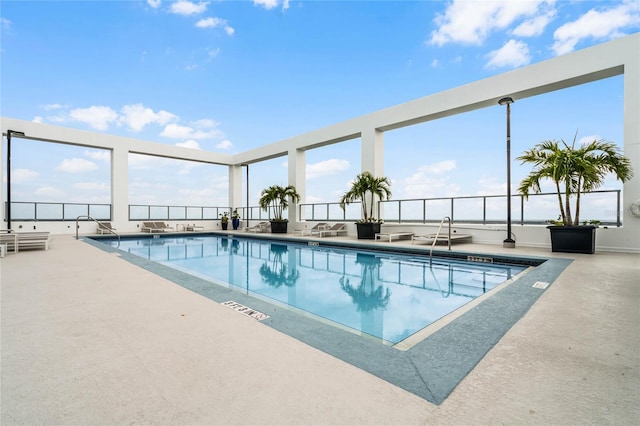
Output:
x,y
90,218
435,240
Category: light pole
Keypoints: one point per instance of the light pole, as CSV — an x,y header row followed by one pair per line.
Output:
x,y
9,133
508,242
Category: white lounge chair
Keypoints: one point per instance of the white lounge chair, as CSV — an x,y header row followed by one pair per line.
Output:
x,y
318,227
259,227
16,241
442,238
104,228
334,231
163,226
150,227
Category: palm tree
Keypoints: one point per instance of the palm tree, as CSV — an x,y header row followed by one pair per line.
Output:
x,y
573,170
278,274
277,198
366,188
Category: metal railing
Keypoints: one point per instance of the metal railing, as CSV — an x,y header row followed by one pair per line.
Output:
x,y
110,230
484,210
435,239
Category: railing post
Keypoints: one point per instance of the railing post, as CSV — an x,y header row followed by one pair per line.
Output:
x,y
451,212
618,220
484,210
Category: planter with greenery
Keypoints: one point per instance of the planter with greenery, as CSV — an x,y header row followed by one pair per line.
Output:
x,y
573,170
277,198
366,188
224,220
235,219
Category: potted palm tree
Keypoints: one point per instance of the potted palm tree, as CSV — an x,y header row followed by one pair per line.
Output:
x,y
277,198
366,188
224,220
573,170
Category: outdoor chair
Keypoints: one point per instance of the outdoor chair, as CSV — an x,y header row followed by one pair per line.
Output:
x,y
334,231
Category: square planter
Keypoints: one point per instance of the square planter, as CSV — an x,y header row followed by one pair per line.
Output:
x,y
368,230
573,239
279,226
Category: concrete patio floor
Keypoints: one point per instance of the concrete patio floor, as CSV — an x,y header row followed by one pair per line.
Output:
x,y
88,338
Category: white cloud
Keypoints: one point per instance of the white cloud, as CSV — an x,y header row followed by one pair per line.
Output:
x,y
585,140
435,63
419,185
91,186
512,54
98,154
534,26
470,22
97,117
225,144
49,193
212,53
51,107
600,25
140,161
438,168
325,168
176,131
215,23
271,4
76,165
189,144
154,3
23,175
205,123
38,119
187,8
136,117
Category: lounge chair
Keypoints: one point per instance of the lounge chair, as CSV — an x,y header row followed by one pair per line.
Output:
x,y
16,241
105,228
259,227
318,227
163,226
334,231
150,227
441,239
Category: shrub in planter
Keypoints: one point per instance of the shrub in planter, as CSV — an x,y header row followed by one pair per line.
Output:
x,y
277,199
366,188
573,170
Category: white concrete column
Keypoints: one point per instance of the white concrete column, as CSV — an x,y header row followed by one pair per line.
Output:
x,y
120,187
373,159
235,186
297,177
631,189
373,151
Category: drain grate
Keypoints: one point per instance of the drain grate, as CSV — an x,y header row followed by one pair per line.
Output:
x,y
541,285
480,259
245,310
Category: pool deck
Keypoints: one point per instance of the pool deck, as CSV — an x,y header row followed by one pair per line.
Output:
x,y
89,338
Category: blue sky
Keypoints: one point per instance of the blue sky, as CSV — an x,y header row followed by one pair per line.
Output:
x,y
228,76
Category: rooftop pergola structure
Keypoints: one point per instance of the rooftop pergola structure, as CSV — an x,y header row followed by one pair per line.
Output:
x,y
617,57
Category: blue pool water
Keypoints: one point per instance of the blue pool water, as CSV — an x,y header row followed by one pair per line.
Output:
x,y
383,294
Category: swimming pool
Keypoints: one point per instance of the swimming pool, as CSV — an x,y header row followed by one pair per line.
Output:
x,y
388,296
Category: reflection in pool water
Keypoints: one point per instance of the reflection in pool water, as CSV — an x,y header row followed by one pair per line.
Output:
x,y
386,295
